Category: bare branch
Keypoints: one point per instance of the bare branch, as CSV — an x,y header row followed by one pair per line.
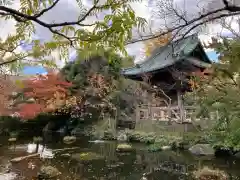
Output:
x,y
189,25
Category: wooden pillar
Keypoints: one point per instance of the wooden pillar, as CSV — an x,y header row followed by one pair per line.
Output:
x,y
181,106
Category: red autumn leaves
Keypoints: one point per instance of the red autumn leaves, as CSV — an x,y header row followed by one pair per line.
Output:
x,y
43,91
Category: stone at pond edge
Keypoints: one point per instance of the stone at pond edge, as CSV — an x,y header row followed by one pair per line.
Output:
x,y
69,139
202,150
124,148
86,156
12,139
48,172
65,155
237,155
206,173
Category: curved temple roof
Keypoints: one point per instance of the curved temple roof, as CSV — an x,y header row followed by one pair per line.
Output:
x,y
170,54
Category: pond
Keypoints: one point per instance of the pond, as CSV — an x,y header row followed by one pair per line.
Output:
x,y
100,161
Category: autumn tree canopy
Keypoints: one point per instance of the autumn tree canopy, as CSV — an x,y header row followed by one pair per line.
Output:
x,y
44,93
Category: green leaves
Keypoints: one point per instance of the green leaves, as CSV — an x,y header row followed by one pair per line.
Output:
x,y
89,38
221,93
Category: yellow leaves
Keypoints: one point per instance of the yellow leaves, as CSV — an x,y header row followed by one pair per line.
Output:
x,y
152,44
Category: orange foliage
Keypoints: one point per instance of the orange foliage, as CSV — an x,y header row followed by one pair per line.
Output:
x,y
48,92
44,87
152,44
29,111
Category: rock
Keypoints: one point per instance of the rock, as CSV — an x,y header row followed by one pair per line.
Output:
x,y
12,139
237,155
124,148
88,156
202,149
207,173
166,147
48,172
69,139
122,137
7,168
65,155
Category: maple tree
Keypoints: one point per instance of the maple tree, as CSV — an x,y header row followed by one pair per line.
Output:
x,y
46,94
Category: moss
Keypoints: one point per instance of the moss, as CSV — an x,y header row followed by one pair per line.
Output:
x,y
137,136
86,156
124,148
154,147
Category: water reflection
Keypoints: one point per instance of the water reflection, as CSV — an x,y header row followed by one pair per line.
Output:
x,y
30,148
34,148
42,150
165,165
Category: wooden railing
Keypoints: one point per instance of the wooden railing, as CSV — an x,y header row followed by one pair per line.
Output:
x,y
164,113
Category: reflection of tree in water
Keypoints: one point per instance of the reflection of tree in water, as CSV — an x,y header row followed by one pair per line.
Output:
x,y
164,164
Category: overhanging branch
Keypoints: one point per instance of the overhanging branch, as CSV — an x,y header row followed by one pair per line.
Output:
x,y
189,25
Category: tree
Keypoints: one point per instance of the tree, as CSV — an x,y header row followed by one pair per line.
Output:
x,y
93,80
112,32
44,93
220,93
180,23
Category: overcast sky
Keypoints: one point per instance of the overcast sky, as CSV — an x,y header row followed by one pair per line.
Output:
x,y
67,10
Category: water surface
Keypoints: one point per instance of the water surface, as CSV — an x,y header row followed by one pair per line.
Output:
x,y
165,165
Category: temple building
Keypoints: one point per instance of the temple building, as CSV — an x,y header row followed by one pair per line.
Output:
x,y
168,70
